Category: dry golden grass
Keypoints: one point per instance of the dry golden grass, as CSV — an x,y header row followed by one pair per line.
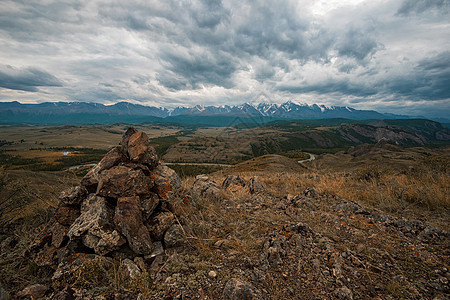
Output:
x,y
28,196
422,194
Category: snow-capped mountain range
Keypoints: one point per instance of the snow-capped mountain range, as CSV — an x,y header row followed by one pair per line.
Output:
x,y
287,110
123,111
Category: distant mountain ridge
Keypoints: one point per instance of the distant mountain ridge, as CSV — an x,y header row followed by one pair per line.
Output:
x,y
85,112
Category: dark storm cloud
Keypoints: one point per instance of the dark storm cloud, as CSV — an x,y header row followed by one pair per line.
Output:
x,y
198,51
420,6
340,86
270,27
197,68
27,79
32,20
209,13
357,44
429,80
432,79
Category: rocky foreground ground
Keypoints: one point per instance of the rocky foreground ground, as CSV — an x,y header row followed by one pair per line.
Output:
x,y
133,230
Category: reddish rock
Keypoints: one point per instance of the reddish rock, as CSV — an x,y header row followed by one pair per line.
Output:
x,y
92,178
95,226
65,215
140,151
159,224
165,180
125,138
122,181
128,219
73,195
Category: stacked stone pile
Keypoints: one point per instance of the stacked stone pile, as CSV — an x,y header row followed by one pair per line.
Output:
x,y
120,208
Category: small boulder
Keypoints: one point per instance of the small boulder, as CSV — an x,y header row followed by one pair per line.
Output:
x,y
34,291
256,186
235,180
343,293
92,178
159,224
140,151
205,186
157,265
73,195
165,179
273,250
174,236
236,289
128,219
129,269
122,181
310,192
95,226
157,250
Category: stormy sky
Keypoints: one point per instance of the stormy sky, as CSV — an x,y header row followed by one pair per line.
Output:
x,y
387,55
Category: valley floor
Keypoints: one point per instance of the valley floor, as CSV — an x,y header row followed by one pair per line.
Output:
x,y
370,223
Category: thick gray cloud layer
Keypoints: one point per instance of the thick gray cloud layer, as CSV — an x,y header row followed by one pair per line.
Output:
x,y
26,80
389,55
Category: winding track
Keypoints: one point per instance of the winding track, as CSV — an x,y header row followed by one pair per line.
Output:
x,y
311,158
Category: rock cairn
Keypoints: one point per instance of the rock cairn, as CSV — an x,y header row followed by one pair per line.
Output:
x,y
120,208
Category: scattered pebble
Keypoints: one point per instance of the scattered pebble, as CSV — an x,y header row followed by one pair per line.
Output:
x,y
212,274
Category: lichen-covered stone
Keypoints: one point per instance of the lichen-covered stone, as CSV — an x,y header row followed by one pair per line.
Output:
x,y
92,178
123,181
159,224
59,233
206,186
165,180
73,195
174,236
129,270
95,227
128,220
233,180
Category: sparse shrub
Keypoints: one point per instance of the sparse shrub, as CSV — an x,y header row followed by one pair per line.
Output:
x,y
92,273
